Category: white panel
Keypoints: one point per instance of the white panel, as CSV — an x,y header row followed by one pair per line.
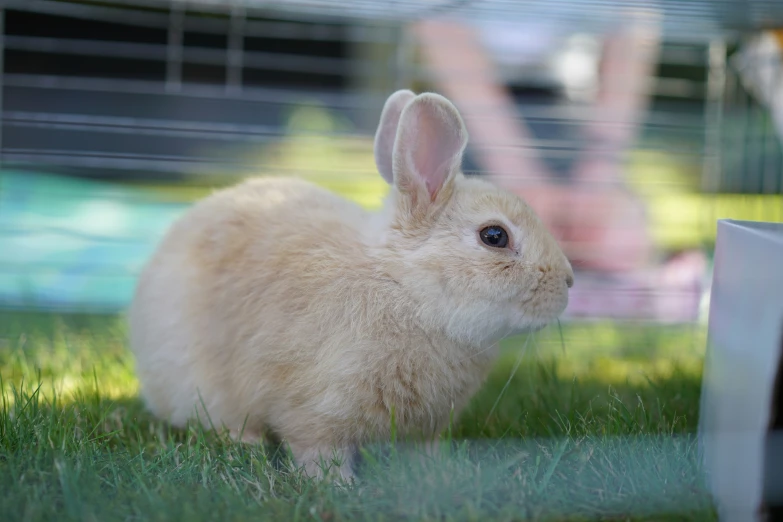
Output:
x,y
746,314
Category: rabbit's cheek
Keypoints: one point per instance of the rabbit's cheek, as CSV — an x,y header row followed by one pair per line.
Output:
x,y
527,288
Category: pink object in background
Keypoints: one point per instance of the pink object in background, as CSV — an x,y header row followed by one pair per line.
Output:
x,y
672,293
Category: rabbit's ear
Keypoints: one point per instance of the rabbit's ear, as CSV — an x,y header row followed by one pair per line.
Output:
x,y
431,138
387,132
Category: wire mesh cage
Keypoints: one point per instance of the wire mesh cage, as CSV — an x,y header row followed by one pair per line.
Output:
x,y
150,95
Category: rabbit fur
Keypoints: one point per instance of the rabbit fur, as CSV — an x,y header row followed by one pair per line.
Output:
x,y
278,307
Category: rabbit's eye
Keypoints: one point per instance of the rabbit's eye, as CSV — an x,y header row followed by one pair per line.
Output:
x,y
494,236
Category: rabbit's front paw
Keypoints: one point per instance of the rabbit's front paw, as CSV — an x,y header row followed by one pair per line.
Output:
x,y
323,461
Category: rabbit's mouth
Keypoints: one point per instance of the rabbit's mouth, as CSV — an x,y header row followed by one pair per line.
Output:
x,y
532,328
544,315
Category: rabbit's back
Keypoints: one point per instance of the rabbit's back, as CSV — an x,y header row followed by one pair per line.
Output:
x,y
224,312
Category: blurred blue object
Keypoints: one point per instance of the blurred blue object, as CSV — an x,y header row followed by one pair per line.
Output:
x,y
72,244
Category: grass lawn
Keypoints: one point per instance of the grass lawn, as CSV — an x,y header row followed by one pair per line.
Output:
x,y
587,422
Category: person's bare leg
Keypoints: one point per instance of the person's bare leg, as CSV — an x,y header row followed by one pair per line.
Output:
x,y
607,225
630,56
316,458
463,72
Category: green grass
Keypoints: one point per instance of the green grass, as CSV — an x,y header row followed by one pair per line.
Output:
x,y
591,422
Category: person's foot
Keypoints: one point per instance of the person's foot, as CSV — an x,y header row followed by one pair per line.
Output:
x,y
670,292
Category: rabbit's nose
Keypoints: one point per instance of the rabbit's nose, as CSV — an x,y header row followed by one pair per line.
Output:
x,y
569,273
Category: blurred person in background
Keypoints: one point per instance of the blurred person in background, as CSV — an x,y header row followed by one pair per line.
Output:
x,y
759,63
602,225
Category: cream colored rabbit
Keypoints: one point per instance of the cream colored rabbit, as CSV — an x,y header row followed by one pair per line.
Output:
x,y
277,306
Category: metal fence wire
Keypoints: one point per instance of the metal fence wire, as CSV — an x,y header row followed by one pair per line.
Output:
x,y
151,86
156,90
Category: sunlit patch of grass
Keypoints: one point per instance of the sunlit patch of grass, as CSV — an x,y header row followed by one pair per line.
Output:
x,y
343,165
316,146
619,353
66,355
681,216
